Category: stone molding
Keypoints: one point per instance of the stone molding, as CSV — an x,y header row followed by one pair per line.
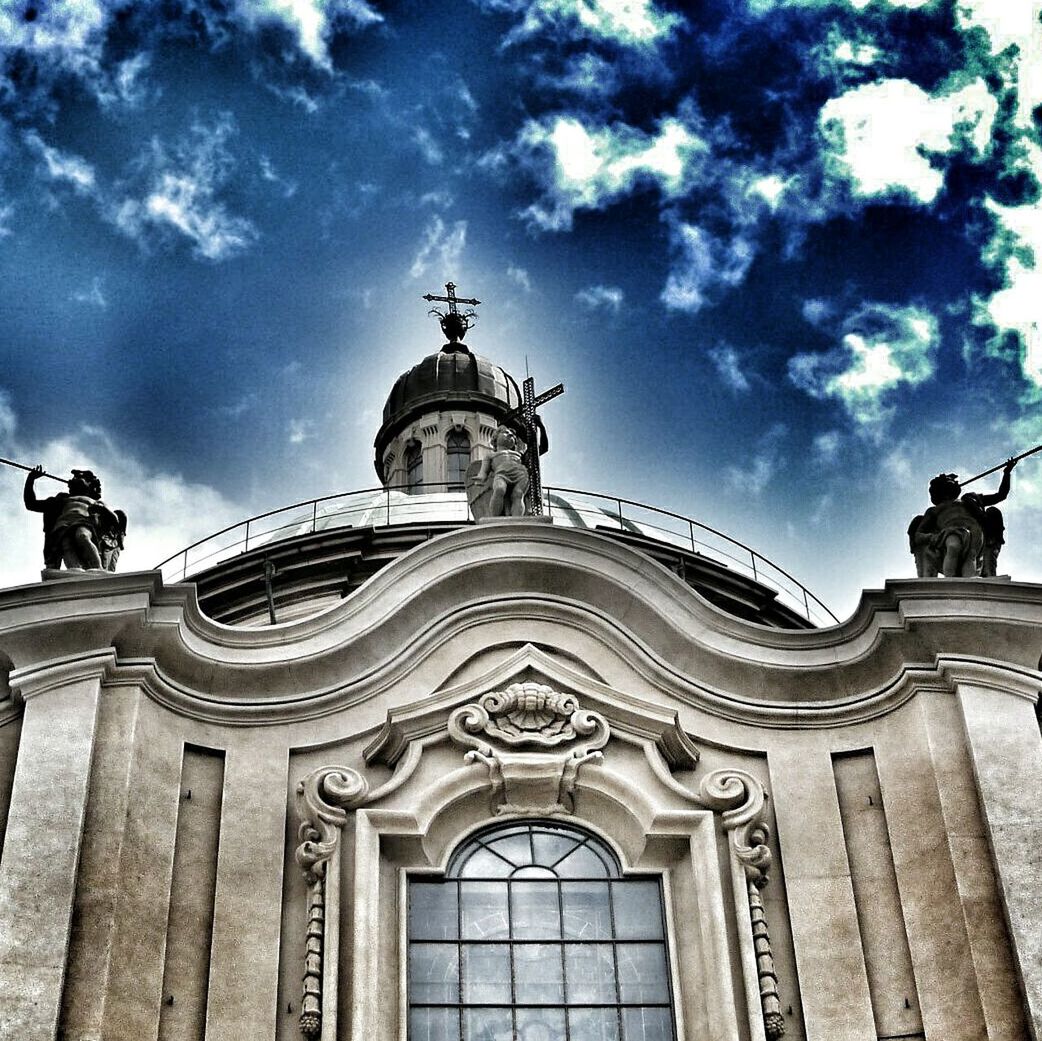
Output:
x,y
643,615
532,739
538,782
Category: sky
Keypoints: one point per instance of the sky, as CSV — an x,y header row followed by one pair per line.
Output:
x,y
785,255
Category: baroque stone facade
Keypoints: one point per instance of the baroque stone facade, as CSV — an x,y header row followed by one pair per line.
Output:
x,y
845,823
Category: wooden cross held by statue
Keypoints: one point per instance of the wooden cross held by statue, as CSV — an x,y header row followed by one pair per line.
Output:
x,y
525,415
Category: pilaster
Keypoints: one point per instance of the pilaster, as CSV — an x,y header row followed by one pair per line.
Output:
x,y
1006,750
44,834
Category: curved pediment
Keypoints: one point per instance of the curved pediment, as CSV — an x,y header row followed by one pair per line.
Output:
x,y
510,585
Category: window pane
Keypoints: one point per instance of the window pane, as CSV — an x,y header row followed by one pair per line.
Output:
x,y
550,848
638,910
515,848
433,913
540,1024
538,974
590,972
642,972
582,863
587,914
433,973
486,973
484,910
485,864
433,1024
647,1024
593,1024
534,911
488,1024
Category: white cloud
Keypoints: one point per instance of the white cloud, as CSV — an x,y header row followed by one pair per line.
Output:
x,y
63,166
429,148
765,463
702,263
882,348
629,23
441,246
180,194
879,137
592,298
817,311
93,295
311,21
826,446
591,167
300,430
521,277
728,367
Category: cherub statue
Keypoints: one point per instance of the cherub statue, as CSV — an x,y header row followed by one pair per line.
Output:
x,y
496,486
79,529
959,537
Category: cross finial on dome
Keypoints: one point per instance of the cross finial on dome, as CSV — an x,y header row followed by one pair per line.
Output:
x,y
454,323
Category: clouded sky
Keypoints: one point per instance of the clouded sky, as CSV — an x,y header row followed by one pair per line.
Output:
x,y
784,254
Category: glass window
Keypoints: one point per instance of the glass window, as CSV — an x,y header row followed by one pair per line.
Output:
x,y
458,446
413,466
534,934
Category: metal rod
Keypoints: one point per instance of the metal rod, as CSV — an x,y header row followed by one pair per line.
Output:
x,y
1016,459
246,544
22,466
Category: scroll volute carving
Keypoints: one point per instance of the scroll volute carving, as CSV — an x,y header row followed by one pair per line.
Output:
x,y
533,740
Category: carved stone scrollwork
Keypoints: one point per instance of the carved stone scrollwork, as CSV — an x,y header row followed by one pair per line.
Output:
x,y
324,798
542,778
741,801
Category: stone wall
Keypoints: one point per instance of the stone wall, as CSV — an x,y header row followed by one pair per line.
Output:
x,y
853,812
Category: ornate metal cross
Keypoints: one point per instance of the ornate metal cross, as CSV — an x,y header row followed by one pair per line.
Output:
x,y
452,300
453,323
525,414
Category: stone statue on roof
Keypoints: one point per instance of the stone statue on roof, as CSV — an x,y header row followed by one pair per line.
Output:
x,y
959,536
496,485
80,531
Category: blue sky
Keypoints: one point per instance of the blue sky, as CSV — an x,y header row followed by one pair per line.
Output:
x,y
782,253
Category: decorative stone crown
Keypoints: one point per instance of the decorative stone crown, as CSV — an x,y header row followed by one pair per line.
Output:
x,y
530,713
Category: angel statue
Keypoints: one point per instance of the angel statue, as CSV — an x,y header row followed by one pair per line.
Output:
x,y
496,485
80,531
959,536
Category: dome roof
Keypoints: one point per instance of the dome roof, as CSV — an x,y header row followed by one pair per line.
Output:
x,y
448,379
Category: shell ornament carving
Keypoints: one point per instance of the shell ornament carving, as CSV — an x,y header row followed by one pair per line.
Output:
x,y
530,713
529,722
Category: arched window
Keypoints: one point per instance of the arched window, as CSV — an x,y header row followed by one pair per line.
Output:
x,y
533,934
458,447
413,466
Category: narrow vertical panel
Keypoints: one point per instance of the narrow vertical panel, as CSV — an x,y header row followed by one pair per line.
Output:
x,y
891,980
825,934
100,881
10,732
974,873
38,875
190,920
135,980
244,963
930,897
1006,750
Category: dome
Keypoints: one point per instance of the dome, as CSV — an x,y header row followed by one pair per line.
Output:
x,y
449,379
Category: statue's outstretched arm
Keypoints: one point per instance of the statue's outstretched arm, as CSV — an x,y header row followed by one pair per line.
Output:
x,y
1003,492
29,492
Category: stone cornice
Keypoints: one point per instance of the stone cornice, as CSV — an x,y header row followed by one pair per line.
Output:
x,y
489,578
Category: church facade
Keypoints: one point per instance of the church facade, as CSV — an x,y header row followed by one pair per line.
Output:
x,y
523,781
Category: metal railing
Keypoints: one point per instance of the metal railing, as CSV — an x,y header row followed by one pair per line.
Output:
x,y
387,507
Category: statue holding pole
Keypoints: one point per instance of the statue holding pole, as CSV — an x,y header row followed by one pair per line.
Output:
x,y
961,535
80,531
